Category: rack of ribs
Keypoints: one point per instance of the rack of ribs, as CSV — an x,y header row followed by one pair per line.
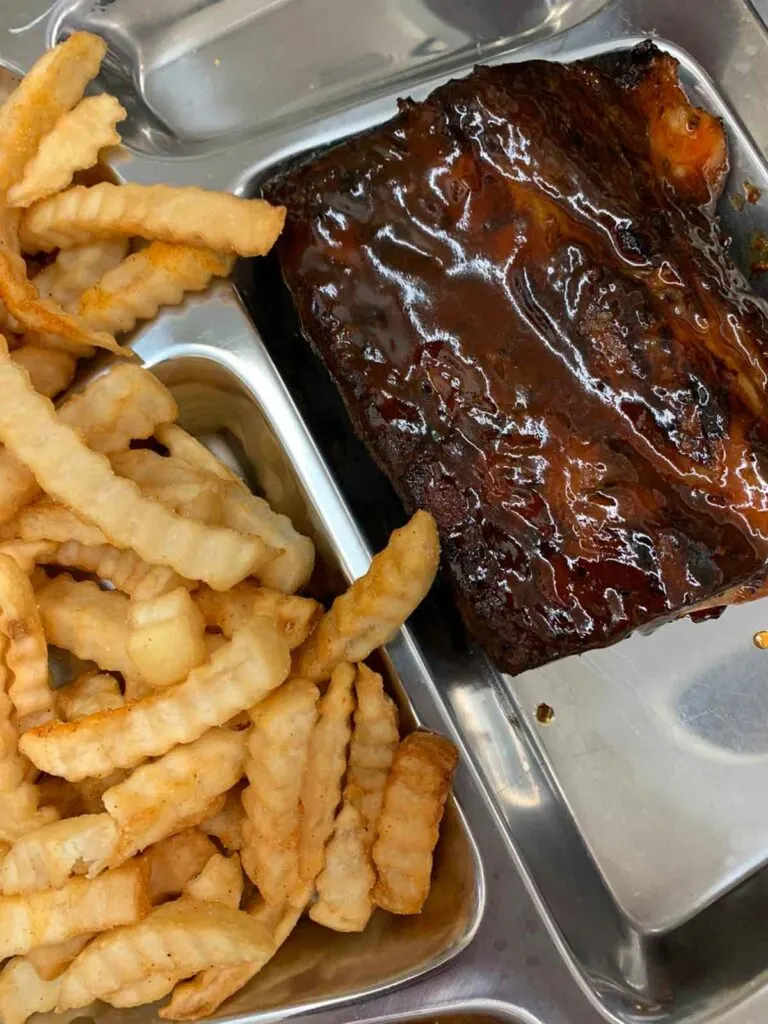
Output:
x,y
521,293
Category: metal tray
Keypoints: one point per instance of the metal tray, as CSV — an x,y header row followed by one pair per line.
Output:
x,y
610,864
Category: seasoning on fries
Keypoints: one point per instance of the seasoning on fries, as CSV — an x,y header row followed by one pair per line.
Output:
x,y
220,732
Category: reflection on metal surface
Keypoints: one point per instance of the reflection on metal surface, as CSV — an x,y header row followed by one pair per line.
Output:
x,y
633,817
217,70
229,395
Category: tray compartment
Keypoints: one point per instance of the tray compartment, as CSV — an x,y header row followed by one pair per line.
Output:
x,y
650,774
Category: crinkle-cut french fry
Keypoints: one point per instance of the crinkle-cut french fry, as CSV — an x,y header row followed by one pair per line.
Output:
x,y
199,494
82,905
23,992
74,270
72,144
27,554
90,622
184,936
345,883
176,861
344,886
159,275
17,485
375,737
27,652
51,87
220,881
122,568
250,515
175,791
52,960
376,604
140,993
83,479
203,995
122,405
239,676
278,748
227,825
51,372
46,858
187,449
42,317
166,637
407,831
326,764
91,692
231,610
193,216
186,491
48,520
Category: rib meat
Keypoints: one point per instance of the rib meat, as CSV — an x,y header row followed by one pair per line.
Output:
x,y
519,288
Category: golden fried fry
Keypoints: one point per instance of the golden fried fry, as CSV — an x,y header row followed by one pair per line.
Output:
x,y
19,797
23,992
375,737
254,662
247,227
82,905
174,792
326,764
229,611
198,494
124,569
227,825
27,652
17,486
176,861
27,554
90,622
46,858
48,520
72,144
344,886
181,937
166,637
220,881
278,748
159,275
182,447
51,87
182,490
204,994
407,832
52,960
74,270
50,372
377,604
92,692
213,643
116,407
83,480
252,516
122,405
149,990
43,317
345,883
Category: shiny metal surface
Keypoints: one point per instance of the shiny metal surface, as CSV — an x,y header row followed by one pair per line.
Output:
x,y
610,839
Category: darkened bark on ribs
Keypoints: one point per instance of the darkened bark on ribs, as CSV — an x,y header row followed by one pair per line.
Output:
x,y
519,289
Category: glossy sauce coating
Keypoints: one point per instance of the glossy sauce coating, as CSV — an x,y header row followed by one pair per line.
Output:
x,y
519,290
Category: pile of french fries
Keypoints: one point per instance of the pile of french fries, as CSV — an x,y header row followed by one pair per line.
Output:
x,y
222,760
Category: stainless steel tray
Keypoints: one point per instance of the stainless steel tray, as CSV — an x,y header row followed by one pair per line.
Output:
x,y
612,863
